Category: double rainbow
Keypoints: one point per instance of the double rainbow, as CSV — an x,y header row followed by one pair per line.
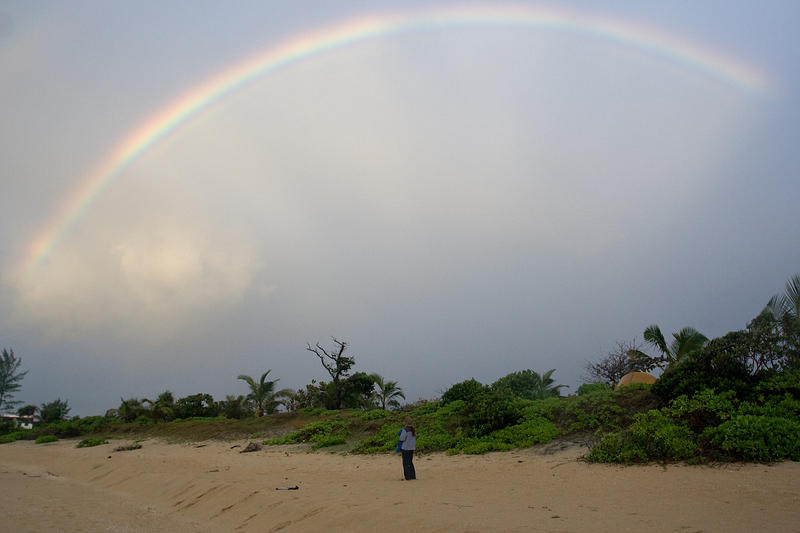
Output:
x,y
670,47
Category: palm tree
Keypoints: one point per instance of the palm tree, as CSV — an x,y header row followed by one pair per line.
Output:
x,y
130,409
387,392
262,393
684,342
786,310
787,305
545,386
163,408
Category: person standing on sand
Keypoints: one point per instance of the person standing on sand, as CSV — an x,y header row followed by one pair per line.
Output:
x,y
409,439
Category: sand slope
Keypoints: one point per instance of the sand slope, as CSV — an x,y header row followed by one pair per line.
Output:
x,y
213,488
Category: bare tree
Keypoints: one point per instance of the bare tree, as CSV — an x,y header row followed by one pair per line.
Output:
x,y
615,364
336,364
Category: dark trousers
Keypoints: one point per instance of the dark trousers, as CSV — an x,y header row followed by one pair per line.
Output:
x,y
408,464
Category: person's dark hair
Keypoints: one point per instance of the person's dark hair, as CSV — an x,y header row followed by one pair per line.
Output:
x,y
409,427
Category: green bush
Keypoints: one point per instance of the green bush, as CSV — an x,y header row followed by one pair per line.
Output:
x,y
589,388
432,435
88,443
616,447
721,365
757,438
601,410
328,440
314,432
372,414
706,408
46,438
652,437
384,440
11,437
527,433
490,410
143,420
466,391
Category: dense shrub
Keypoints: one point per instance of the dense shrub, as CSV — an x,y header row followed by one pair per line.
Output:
x,y
196,405
528,384
46,438
7,426
589,388
706,408
604,410
757,438
11,437
325,433
490,410
76,427
466,391
652,437
527,433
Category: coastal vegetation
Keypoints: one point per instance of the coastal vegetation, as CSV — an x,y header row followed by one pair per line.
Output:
x,y
732,398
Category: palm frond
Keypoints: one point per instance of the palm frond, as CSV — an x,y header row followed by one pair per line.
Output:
x,y
653,335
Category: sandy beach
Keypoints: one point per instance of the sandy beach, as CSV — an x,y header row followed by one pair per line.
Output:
x,y
211,487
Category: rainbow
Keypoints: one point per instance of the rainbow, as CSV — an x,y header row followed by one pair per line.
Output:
x,y
670,47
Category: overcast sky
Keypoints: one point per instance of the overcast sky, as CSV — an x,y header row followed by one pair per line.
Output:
x,y
455,200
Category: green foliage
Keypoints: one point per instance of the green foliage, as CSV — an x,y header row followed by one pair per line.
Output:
x,y
383,440
130,409
10,378
7,426
490,410
75,427
589,388
162,409
28,410
757,438
372,414
603,410
527,433
11,437
235,407
54,411
338,366
323,433
387,392
687,341
706,408
528,384
143,420
262,394
466,391
652,437
196,405
357,392
88,443
46,438
720,365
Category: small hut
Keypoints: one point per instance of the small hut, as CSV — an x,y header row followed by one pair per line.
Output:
x,y
635,377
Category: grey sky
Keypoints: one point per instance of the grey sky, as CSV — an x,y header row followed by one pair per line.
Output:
x,y
455,202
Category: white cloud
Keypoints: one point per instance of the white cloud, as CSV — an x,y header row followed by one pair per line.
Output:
x,y
150,281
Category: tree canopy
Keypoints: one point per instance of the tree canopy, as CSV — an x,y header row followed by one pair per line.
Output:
x,y
10,378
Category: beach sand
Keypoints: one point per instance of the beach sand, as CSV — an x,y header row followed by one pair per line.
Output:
x,y
211,487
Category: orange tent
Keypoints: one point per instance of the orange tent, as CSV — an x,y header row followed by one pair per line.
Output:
x,y
635,377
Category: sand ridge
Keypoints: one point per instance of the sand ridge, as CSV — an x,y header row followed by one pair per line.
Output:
x,y
211,487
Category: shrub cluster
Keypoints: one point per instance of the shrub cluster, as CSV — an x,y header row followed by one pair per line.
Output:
x,y
320,434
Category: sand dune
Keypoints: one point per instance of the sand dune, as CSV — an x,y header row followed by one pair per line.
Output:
x,y
213,488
